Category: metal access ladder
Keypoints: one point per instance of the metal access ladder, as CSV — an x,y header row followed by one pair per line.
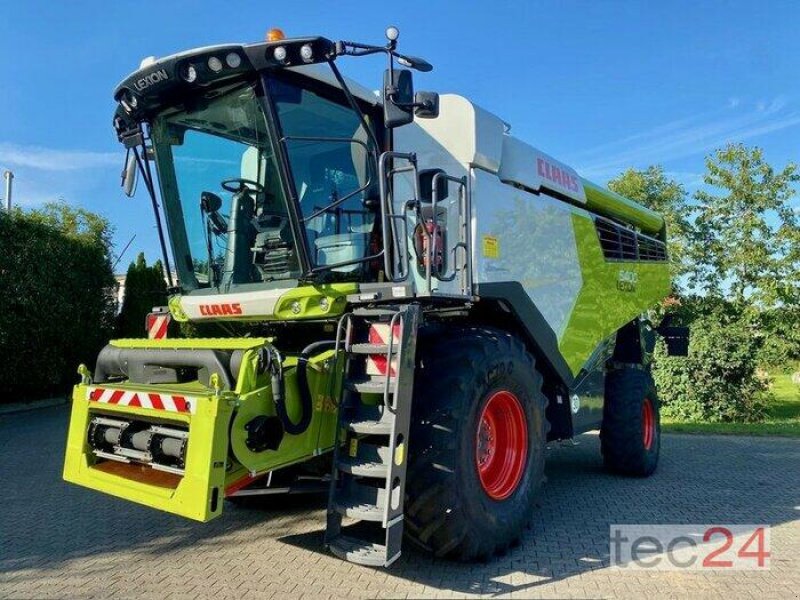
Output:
x,y
370,457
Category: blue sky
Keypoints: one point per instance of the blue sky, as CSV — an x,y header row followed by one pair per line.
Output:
x,y
600,85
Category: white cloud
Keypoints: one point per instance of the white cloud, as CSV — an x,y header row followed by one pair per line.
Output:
x,y
51,159
689,180
689,136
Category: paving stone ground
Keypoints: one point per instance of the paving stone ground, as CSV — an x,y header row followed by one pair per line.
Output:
x,y
61,541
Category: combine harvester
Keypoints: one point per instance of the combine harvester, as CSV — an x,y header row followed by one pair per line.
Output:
x,y
400,300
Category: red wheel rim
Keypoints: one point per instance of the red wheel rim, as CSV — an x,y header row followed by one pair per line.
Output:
x,y
648,424
502,445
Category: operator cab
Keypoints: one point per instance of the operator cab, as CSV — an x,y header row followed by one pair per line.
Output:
x,y
268,162
267,174
226,200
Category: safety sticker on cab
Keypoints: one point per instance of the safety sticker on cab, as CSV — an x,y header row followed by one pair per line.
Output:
x,y
491,246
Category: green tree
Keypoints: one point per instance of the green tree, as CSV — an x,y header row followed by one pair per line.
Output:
x,y
653,189
747,235
144,288
77,223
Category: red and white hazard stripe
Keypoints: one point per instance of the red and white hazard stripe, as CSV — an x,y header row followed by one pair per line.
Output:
x,y
165,402
157,325
379,334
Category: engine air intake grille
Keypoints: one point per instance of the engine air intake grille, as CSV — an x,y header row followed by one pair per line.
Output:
x,y
621,243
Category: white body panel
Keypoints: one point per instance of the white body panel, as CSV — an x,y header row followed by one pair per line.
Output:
x,y
517,235
474,137
526,166
260,303
527,238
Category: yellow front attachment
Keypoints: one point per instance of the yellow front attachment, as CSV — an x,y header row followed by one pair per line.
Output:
x,y
164,446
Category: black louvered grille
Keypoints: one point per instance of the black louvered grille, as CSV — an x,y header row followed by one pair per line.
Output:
x,y
621,243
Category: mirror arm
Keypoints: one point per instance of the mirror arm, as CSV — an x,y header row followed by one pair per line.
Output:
x,y
409,105
144,166
354,49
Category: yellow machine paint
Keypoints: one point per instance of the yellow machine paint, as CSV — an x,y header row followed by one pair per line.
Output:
x,y
210,467
197,495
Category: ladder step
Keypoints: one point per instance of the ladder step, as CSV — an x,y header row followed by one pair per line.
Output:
x,y
369,460
362,512
373,420
360,551
372,349
359,500
368,385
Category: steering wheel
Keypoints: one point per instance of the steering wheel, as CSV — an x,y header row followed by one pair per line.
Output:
x,y
239,185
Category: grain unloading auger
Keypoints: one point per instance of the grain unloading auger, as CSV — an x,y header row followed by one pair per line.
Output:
x,y
393,294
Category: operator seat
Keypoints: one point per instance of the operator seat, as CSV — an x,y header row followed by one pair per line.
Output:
x,y
347,240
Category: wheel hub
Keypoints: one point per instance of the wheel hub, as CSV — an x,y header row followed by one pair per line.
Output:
x,y
648,424
501,449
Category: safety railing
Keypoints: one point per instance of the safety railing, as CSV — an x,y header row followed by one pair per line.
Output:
x,y
395,245
395,224
463,244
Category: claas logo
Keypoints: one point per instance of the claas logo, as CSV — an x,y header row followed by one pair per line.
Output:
x,y
220,310
557,175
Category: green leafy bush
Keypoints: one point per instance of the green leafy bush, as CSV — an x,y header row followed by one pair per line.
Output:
x,y
781,331
56,298
720,380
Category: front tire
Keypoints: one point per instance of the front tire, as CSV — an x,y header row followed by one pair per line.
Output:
x,y
630,437
476,460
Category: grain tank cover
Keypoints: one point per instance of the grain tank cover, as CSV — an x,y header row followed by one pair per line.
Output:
x,y
470,134
524,165
474,137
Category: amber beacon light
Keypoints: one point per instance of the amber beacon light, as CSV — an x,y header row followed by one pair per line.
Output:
x,y
275,35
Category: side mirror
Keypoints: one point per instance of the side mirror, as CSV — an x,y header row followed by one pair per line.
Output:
x,y
398,98
426,185
210,202
130,174
427,105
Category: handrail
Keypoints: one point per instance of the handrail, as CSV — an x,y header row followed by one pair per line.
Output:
x,y
433,239
399,251
389,404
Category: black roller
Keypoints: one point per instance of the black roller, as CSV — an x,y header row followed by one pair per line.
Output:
x,y
162,445
141,440
168,446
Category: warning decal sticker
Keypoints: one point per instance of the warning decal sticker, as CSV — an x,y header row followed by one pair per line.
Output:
x,y
491,246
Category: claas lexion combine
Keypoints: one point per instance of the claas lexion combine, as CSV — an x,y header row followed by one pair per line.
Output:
x,y
395,298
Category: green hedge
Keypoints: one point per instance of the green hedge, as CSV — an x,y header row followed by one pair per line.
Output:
x,y
57,299
720,381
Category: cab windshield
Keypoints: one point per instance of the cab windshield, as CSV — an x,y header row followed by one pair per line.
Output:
x,y
234,221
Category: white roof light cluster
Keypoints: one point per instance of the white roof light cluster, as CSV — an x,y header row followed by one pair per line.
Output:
x,y
216,64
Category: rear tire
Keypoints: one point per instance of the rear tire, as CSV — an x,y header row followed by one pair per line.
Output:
x,y
476,450
630,437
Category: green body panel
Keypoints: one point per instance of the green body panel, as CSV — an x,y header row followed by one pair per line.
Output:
x,y
310,299
605,202
318,438
613,293
217,457
194,343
